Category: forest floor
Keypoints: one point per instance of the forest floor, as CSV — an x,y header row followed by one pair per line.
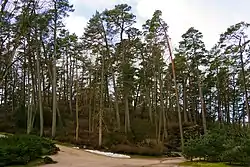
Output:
x,y
71,157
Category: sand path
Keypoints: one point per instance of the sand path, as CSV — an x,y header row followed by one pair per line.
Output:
x,y
71,157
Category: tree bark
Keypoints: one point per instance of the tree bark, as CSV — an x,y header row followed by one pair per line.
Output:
x,y
101,104
54,103
77,107
202,107
39,90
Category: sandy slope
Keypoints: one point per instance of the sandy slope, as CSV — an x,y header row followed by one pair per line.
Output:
x,y
78,158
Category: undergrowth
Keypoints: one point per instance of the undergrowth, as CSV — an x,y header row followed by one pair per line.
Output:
x,y
22,149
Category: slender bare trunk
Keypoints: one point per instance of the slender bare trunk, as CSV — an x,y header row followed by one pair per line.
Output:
x,y
101,104
161,117
202,107
118,121
70,85
149,104
90,104
39,91
176,91
54,103
245,86
127,115
185,100
77,108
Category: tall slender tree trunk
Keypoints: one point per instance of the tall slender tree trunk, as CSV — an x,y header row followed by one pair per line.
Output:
x,y
234,100
127,116
29,110
54,103
39,90
161,116
245,86
155,107
202,107
94,109
136,99
185,100
77,107
70,85
90,104
13,89
118,121
101,104
149,104
219,99
176,91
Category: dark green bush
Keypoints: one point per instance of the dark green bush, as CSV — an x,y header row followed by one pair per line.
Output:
x,y
227,144
135,150
194,148
21,149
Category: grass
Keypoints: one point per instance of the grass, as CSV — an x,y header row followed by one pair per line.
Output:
x,y
203,164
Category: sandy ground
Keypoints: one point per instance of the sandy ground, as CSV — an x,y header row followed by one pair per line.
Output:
x,y
70,157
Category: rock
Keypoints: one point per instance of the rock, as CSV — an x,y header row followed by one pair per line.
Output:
x,y
48,160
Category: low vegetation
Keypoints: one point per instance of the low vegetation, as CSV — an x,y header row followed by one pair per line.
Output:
x,y
203,164
135,150
22,149
228,144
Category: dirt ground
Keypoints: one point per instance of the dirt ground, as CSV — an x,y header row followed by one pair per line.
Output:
x,y
70,157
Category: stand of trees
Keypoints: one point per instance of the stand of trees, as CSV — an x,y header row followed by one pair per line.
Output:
x,y
115,78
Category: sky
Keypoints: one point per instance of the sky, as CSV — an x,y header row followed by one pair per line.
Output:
x,y
211,17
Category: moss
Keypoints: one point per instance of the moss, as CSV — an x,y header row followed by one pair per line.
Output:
x,y
203,164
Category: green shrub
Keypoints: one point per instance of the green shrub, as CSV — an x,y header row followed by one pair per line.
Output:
x,y
194,148
226,144
135,150
21,149
237,151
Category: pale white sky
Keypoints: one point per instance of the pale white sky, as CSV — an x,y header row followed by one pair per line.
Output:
x,y
211,17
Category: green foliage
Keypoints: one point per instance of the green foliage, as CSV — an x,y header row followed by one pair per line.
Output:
x,y
227,144
191,131
21,149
